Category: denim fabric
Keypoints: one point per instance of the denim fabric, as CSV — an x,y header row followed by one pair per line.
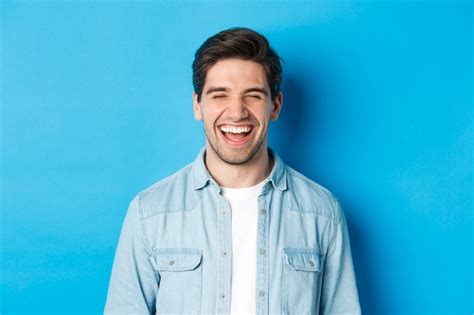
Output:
x,y
174,253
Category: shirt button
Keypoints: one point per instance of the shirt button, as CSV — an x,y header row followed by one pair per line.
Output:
x,y
171,262
222,295
262,251
311,263
261,294
224,253
263,211
223,211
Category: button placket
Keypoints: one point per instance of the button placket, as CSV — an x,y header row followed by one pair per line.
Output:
x,y
262,259
224,263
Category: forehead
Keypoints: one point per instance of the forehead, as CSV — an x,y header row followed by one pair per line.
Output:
x,y
236,74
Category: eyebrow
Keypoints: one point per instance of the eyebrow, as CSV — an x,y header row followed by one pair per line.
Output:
x,y
213,89
256,89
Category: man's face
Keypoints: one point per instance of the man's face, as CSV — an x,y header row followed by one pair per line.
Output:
x,y
236,108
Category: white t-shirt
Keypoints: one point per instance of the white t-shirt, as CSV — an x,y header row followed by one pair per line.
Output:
x,y
244,209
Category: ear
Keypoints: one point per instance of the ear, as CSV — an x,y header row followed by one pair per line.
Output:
x,y
196,107
277,104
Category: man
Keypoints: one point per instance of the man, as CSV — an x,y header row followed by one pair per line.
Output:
x,y
237,231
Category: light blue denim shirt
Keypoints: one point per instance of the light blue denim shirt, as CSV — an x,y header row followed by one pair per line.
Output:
x,y
175,249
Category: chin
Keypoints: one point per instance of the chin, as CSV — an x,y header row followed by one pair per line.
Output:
x,y
237,156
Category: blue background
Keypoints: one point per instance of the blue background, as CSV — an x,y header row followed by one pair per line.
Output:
x,y
96,106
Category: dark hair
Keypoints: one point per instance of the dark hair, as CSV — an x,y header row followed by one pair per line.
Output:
x,y
241,43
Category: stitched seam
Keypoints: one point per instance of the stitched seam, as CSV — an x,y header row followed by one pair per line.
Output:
x,y
309,181
167,179
299,210
315,186
301,250
145,239
180,250
168,210
332,240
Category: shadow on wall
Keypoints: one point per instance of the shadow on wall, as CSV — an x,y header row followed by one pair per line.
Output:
x,y
298,134
369,294
288,131
299,129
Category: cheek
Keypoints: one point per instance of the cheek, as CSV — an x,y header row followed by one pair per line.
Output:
x,y
210,124
265,116
210,114
266,110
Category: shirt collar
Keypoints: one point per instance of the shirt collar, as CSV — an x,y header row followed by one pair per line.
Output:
x,y
201,176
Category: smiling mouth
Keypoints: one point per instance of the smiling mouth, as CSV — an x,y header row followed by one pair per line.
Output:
x,y
236,135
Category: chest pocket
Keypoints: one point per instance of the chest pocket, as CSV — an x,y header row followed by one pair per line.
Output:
x,y
180,280
301,283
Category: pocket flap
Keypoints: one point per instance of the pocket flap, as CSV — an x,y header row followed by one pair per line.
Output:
x,y
303,259
176,259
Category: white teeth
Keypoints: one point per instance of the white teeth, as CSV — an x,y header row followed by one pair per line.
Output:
x,y
235,129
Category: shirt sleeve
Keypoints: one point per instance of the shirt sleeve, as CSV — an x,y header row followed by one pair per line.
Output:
x,y
339,288
133,282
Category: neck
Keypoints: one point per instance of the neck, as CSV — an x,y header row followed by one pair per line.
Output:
x,y
239,176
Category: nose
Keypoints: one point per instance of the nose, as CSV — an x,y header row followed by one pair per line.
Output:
x,y
237,109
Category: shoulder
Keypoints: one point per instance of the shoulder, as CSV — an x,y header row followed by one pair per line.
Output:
x,y
170,194
307,196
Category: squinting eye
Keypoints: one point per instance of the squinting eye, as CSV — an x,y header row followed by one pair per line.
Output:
x,y
218,96
255,96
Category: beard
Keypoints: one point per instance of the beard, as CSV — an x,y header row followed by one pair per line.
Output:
x,y
230,155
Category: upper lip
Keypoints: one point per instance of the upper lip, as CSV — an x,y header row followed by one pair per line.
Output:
x,y
235,125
